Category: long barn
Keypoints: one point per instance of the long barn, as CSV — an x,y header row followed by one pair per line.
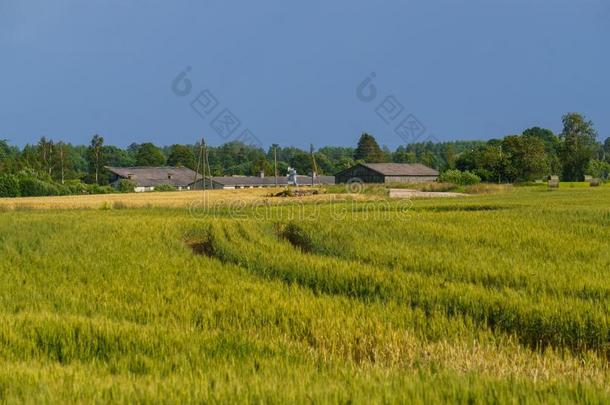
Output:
x,y
387,173
147,178
236,182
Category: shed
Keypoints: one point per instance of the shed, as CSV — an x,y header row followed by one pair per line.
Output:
x,y
388,173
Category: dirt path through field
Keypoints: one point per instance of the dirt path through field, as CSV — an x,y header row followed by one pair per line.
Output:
x,y
410,193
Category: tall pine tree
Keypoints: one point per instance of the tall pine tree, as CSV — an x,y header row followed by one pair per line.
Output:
x,y
368,150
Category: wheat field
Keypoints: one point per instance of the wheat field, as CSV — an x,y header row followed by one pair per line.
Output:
x,y
490,298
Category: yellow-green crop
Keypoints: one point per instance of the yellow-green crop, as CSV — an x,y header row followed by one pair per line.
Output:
x,y
494,298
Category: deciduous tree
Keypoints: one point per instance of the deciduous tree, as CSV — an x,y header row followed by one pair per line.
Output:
x,y
181,155
149,155
578,141
526,157
96,157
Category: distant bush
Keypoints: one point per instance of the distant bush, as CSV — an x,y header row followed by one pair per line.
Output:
x,y
460,178
97,189
28,183
599,169
77,187
63,189
126,186
9,186
32,187
165,187
484,174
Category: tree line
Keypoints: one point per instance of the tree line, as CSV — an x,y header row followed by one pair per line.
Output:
x,y
61,161
534,154
52,167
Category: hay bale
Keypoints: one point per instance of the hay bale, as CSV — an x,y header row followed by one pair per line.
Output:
x,y
553,183
595,182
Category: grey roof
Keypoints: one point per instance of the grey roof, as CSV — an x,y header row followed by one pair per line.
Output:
x,y
401,169
156,176
254,181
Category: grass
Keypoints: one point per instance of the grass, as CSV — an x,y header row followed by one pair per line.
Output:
x,y
500,297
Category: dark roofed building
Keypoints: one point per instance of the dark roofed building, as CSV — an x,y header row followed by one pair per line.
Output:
x,y
182,178
388,173
235,182
147,178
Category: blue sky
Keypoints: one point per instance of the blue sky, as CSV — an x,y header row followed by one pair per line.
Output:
x,y
289,71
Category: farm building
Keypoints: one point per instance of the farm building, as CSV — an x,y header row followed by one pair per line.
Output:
x,y
237,182
182,178
387,173
147,178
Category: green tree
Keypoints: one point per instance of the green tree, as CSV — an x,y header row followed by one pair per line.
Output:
x,y
468,159
526,157
387,153
336,153
78,157
578,143
118,157
9,185
234,158
368,150
344,163
429,159
132,150
551,146
282,168
448,155
301,161
261,165
9,157
402,155
493,163
149,155
599,169
181,155
62,162
606,149
488,161
5,150
96,156
45,151
325,165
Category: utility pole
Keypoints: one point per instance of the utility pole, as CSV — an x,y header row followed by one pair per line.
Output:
x,y
199,163
61,160
500,167
206,163
275,163
202,159
314,166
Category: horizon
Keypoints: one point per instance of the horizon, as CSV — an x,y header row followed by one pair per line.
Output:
x,y
167,73
264,147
